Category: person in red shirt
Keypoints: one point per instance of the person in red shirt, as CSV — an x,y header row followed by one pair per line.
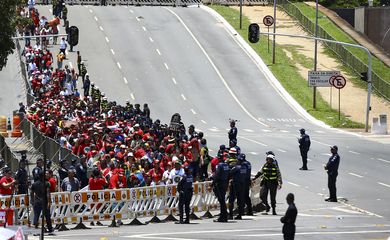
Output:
x,y
7,183
118,180
156,173
52,181
97,182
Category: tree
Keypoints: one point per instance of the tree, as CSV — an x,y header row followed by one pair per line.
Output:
x,y
7,28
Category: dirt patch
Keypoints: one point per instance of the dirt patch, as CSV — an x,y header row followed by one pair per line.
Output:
x,y
353,99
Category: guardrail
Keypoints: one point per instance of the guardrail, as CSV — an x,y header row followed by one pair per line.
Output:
x,y
123,204
357,65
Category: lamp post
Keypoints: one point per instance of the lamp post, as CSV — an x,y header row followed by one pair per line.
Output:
x,y
315,57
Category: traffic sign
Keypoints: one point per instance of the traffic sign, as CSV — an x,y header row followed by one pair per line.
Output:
x,y
338,81
268,20
321,78
77,198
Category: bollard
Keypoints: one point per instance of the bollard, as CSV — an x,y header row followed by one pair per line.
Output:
x,y
16,124
3,126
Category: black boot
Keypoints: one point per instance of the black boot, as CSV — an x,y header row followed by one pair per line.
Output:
x,y
273,211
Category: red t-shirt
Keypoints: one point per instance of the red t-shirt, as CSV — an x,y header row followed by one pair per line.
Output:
x,y
96,183
53,184
214,164
156,175
8,190
117,182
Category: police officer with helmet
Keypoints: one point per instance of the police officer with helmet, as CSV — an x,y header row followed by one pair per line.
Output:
x,y
185,195
219,185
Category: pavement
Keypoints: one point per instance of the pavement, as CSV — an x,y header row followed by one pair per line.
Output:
x,y
187,60
357,36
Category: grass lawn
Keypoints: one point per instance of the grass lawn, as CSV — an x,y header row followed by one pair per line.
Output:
x,y
287,73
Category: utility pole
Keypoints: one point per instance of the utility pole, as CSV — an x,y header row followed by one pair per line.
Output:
x,y
315,57
274,36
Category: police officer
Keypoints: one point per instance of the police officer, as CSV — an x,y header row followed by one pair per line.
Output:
x,y
219,185
272,153
247,184
104,104
232,134
21,178
38,169
86,85
185,195
62,171
81,172
304,146
332,168
289,218
232,160
238,175
271,181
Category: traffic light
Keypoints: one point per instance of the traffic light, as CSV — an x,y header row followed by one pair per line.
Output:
x,y
363,76
73,36
254,33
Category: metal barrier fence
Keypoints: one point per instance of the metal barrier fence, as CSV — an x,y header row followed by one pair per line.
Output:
x,y
123,204
10,158
358,66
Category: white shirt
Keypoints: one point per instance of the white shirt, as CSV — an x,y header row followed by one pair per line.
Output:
x,y
176,175
62,44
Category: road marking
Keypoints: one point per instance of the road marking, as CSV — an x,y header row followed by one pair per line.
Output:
x,y
151,39
309,160
137,19
158,51
356,175
125,80
271,119
203,121
132,96
166,66
326,154
383,160
315,233
254,153
182,96
101,28
284,131
216,69
125,6
266,130
107,40
214,129
96,19
384,184
247,130
112,51
353,152
320,194
70,65
144,28
131,11
281,150
193,111
174,80
250,140
325,144
294,184
119,65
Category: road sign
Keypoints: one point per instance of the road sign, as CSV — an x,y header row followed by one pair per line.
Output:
x,y
77,198
338,81
268,20
321,78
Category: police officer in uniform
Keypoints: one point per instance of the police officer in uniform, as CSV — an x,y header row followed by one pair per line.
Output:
x,y
185,195
271,181
332,168
304,146
233,131
247,184
289,218
38,169
62,171
21,178
219,185
238,175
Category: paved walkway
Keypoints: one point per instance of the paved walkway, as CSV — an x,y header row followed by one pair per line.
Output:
x,y
357,36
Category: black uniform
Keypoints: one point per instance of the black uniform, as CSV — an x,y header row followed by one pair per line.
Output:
x,y
220,183
288,221
233,134
21,178
37,196
185,195
36,172
63,173
247,184
332,168
238,174
81,174
304,146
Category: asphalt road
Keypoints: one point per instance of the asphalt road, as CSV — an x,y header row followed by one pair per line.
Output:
x,y
184,60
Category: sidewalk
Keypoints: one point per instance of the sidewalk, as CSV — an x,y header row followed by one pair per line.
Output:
x,y
357,36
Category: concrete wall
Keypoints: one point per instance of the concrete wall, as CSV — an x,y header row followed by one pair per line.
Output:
x,y
377,24
359,19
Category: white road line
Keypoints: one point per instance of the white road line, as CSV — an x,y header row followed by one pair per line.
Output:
x,y
132,96
137,19
294,184
214,129
320,194
326,154
166,66
384,184
281,150
203,121
101,28
316,233
151,39
309,160
383,160
184,97
96,19
125,80
251,140
193,111
112,51
131,11
356,175
254,153
325,144
125,6
319,131
107,40
285,131
216,69
158,51
353,152
90,10
119,65
174,80
265,130
70,65
144,28
247,130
